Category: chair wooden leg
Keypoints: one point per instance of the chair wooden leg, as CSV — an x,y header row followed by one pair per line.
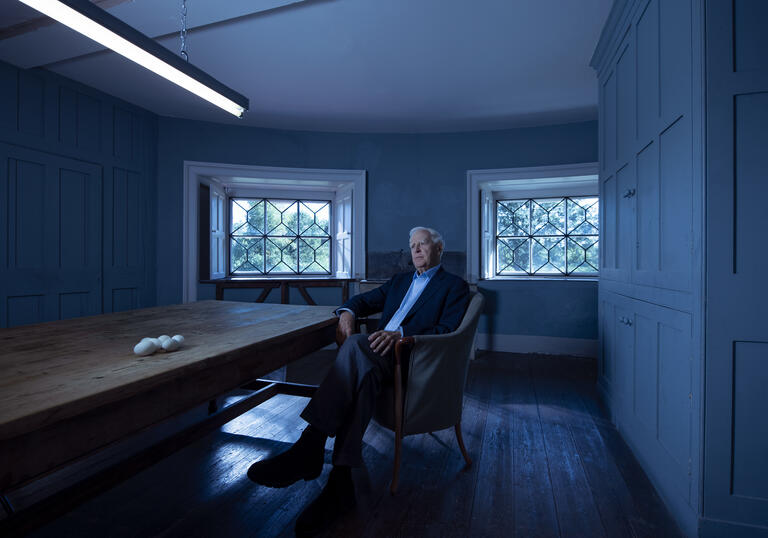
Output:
x,y
460,439
398,428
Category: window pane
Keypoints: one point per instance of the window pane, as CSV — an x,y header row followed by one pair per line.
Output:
x,y
512,256
281,255
247,217
282,217
246,254
548,255
583,254
256,217
513,218
314,255
548,216
582,216
315,218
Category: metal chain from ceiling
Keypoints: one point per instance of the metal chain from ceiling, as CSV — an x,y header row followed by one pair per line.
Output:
x,y
183,32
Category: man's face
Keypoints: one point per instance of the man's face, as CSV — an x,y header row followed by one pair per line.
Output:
x,y
424,253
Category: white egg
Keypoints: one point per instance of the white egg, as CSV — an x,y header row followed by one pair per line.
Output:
x,y
146,339
145,347
158,343
178,338
163,337
171,345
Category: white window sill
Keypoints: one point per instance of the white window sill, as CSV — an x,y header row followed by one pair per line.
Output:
x,y
275,277
590,278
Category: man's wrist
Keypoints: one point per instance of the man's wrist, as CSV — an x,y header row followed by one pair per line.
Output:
x,y
339,311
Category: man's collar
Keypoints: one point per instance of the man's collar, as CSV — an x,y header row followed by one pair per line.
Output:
x,y
429,273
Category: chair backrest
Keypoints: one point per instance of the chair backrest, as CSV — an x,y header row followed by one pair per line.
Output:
x,y
437,374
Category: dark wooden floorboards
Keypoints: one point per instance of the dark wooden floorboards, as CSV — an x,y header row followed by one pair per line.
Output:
x,y
547,462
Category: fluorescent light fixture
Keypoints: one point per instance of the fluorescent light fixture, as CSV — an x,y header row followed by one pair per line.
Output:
x,y
94,22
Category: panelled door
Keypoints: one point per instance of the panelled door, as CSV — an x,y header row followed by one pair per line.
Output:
x,y
50,237
736,428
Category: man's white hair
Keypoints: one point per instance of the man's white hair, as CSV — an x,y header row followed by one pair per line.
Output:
x,y
433,234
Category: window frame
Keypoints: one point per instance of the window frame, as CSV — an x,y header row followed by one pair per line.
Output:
x,y
347,188
485,187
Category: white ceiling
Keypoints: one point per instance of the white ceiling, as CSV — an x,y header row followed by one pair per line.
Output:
x,y
349,65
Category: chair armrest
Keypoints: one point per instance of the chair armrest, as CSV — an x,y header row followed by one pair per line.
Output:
x,y
401,346
433,348
407,343
445,338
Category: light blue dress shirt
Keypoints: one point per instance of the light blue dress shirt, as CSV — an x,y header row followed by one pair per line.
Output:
x,y
417,286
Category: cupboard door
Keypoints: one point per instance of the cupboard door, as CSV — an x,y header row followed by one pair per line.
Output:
x,y
647,371
608,122
626,102
606,314
624,347
617,348
664,209
608,229
625,221
659,416
736,444
617,231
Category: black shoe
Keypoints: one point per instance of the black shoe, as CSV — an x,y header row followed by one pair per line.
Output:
x,y
336,499
303,460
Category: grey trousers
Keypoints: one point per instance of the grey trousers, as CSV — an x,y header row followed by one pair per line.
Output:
x,y
344,402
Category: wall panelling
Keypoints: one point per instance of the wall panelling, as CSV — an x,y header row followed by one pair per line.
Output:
x,y
77,192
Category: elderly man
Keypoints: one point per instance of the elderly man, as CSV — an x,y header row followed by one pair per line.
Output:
x,y
429,301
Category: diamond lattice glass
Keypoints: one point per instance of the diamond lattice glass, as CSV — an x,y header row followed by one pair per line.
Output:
x,y
547,236
276,236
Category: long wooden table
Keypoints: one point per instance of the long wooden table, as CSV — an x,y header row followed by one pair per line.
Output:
x,y
69,387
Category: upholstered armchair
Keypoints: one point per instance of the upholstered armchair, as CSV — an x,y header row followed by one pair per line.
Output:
x,y
433,394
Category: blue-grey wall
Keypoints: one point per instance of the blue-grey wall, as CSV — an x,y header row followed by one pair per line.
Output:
x,y
114,173
77,200
412,179
559,308
79,218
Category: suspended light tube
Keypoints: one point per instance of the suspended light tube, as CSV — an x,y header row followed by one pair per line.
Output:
x,y
95,23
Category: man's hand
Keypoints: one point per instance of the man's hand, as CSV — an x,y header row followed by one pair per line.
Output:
x,y
346,326
383,341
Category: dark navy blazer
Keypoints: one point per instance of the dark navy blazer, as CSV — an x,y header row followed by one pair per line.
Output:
x,y
439,309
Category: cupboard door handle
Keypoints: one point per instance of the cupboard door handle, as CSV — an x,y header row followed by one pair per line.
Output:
x,y
629,193
629,322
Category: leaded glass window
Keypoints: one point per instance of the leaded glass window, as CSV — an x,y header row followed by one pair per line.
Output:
x,y
277,236
547,236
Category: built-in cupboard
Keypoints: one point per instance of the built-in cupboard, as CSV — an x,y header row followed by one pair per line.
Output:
x,y
649,65
683,308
